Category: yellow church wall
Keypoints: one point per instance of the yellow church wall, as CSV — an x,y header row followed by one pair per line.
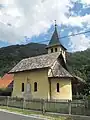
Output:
x,y
39,76
65,88
19,78
43,86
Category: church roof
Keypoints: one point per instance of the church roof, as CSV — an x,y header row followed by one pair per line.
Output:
x,y
37,62
55,39
58,71
42,61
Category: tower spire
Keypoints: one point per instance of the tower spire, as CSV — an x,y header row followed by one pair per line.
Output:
x,y
55,23
55,44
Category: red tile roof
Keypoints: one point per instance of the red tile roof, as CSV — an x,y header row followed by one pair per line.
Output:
x,y
6,80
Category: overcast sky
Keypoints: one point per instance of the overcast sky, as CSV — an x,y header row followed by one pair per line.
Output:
x,y
24,21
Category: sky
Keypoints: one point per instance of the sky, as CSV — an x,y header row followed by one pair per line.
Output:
x,y
25,21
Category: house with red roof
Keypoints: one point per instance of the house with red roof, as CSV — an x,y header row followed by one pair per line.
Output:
x,y
6,84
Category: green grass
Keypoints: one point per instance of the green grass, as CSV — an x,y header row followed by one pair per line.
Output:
x,y
28,112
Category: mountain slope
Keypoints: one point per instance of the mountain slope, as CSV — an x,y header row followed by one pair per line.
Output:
x,y
78,62
11,55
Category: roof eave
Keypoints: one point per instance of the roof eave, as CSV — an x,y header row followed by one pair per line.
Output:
x,y
13,72
78,80
65,77
49,46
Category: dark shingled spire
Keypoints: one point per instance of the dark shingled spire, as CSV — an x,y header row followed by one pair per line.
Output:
x,y
55,39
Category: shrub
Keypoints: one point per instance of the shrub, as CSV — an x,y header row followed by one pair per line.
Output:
x,y
5,91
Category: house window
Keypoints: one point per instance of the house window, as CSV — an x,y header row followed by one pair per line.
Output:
x,y
35,86
51,50
57,87
22,87
55,49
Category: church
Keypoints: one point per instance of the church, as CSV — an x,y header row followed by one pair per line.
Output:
x,y
45,76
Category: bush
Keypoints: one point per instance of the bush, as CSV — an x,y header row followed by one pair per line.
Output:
x,y
5,91
74,97
88,97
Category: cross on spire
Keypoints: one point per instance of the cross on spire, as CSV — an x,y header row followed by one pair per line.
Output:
x,y
55,22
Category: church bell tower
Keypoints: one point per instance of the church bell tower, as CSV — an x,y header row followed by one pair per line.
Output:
x,y
55,45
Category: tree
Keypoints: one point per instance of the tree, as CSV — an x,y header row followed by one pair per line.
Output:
x,y
87,72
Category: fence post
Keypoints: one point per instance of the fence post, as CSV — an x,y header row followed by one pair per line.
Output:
x,y
7,101
43,106
23,103
86,103
69,106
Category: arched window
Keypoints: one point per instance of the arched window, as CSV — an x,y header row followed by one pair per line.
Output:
x,y
55,49
35,86
51,50
22,87
57,87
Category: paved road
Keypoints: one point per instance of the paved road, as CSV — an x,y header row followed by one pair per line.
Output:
x,y
74,117
81,117
77,117
11,116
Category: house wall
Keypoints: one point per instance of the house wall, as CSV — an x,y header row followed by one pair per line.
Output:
x,y
39,76
65,88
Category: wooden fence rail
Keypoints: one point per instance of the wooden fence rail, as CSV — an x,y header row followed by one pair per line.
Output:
x,y
78,107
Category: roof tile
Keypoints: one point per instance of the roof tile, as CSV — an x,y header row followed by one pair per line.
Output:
x,y
42,61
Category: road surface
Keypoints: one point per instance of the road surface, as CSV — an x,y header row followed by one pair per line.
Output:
x,y
12,116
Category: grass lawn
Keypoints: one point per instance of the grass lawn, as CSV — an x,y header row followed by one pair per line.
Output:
x,y
36,113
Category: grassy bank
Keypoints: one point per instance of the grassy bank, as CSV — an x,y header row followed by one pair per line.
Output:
x,y
34,113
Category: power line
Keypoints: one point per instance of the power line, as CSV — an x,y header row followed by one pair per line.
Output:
x,y
67,36
75,34
66,28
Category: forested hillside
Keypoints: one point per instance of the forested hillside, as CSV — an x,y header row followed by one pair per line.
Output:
x,y
78,62
11,55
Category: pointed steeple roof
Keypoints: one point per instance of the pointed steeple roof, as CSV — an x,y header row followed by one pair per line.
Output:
x,y
55,39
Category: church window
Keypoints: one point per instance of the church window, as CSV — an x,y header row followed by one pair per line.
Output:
x,y
35,86
51,50
22,87
57,87
55,49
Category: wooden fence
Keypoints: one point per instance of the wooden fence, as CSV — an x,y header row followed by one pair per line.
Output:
x,y
76,107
